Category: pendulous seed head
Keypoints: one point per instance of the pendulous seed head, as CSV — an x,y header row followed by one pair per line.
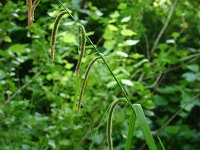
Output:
x,y
31,9
85,80
54,32
82,47
35,4
109,122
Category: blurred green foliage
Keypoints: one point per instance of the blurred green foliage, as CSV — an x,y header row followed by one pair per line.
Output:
x,y
37,96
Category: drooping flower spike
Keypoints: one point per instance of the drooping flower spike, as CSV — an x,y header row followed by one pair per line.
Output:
x,y
54,32
31,9
82,47
85,80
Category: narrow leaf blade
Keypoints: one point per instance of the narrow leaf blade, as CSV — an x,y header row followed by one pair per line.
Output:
x,y
130,130
144,126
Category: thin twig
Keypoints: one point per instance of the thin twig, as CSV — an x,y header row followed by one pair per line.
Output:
x,y
177,112
164,27
22,87
189,58
141,77
156,81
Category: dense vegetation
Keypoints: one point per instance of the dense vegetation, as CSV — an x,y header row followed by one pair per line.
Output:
x,y
153,48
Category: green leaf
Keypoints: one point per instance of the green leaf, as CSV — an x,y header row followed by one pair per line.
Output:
x,y
172,129
160,101
132,121
120,53
127,32
69,38
64,142
109,32
98,13
144,126
137,56
126,19
111,84
52,144
127,82
168,89
109,44
129,43
112,27
7,39
190,77
193,67
115,14
132,42
122,6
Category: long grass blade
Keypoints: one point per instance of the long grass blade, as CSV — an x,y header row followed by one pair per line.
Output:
x,y
144,126
130,130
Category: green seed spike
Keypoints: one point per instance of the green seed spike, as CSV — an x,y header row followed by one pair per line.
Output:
x,y
54,32
85,80
82,48
109,122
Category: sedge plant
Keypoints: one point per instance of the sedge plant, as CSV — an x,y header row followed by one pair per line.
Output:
x,y
137,113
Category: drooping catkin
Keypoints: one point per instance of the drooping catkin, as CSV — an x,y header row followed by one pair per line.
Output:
x,y
109,122
54,32
85,80
29,8
35,4
82,47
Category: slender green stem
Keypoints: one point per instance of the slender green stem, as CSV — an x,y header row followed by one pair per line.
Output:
x,y
161,143
68,11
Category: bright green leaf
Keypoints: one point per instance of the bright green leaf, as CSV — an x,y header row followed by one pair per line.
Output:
x,y
127,82
7,39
